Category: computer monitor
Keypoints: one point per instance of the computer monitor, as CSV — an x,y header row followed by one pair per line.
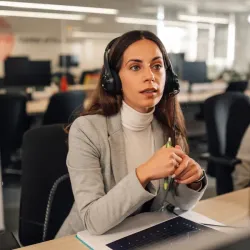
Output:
x,y
1,201
15,71
68,61
39,73
194,72
177,60
16,66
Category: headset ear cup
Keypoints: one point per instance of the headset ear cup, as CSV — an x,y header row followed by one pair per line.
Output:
x,y
117,85
169,83
172,83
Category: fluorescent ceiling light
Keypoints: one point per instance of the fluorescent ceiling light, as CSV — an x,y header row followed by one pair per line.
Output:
x,y
69,8
41,15
131,20
248,18
203,19
81,34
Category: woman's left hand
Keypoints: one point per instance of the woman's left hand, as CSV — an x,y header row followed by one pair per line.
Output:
x,y
188,171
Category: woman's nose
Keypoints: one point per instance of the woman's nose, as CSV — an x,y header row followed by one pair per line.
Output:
x,y
149,75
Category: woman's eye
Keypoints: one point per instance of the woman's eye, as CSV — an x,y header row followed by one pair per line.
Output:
x,y
157,66
135,68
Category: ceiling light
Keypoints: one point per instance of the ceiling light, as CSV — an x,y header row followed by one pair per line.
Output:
x,y
203,19
130,20
41,15
69,8
98,35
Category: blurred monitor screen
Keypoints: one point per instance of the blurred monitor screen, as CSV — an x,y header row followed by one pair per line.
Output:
x,y
39,73
16,66
194,72
68,61
177,60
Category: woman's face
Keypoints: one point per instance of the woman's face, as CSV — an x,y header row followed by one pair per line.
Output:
x,y
143,75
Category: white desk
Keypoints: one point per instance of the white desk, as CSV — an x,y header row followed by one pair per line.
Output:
x,y
230,208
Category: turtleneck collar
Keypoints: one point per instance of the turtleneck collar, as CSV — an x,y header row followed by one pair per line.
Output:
x,y
135,120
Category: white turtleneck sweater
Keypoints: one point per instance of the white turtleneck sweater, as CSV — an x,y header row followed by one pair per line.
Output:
x,y
138,136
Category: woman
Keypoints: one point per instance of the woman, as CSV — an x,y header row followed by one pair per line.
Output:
x,y
117,159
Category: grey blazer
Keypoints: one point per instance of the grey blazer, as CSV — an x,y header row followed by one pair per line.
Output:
x,y
105,193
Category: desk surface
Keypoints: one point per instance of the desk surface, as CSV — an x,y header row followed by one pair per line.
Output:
x,y
228,209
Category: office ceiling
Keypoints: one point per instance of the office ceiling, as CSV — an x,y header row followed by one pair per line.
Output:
x,y
135,5
131,8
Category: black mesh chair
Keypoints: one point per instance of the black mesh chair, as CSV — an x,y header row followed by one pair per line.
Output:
x,y
46,194
239,86
227,116
14,122
64,107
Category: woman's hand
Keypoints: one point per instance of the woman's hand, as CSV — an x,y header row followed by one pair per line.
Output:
x,y
161,165
188,172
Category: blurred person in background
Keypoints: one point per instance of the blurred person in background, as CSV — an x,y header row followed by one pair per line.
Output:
x,y
241,174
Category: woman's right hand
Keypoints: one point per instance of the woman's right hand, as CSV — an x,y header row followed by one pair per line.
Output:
x,y
161,165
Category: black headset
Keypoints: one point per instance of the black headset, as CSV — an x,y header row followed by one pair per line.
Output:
x,y
112,82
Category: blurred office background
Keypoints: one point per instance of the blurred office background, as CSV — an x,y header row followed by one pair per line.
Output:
x,y
48,51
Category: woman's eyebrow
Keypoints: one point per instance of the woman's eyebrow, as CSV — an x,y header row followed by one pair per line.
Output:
x,y
140,61
134,60
156,58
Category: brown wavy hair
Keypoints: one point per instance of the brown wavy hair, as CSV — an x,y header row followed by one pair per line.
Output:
x,y
105,104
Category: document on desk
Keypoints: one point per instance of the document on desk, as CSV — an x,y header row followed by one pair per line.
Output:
x,y
151,223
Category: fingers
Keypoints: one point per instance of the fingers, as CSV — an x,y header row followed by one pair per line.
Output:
x,y
186,174
177,158
178,147
182,166
178,152
188,180
193,174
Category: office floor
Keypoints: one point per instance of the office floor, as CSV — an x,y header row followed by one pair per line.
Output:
x,y
12,187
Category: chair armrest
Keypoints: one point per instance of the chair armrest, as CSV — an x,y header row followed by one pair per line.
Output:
x,y
226,161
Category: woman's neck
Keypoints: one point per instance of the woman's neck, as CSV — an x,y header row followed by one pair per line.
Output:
x,y
135,120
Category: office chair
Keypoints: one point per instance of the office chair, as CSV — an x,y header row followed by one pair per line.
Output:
x,y
227,117
64,107
46,194
239,86
14,122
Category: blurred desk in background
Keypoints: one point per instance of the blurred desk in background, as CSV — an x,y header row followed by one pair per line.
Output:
x,y
199,95
41,99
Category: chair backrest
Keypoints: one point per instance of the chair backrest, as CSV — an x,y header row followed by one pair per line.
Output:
x,y
46,194
13,119
64,107
14,122
1,201
239,86
227,116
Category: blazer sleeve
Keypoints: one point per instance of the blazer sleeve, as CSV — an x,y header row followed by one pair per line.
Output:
x,y
99,211
183,197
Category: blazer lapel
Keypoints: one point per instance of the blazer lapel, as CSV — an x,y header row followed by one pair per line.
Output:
x,y
117,147
159,138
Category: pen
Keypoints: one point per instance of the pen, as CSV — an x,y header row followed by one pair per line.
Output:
x,y
168,145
